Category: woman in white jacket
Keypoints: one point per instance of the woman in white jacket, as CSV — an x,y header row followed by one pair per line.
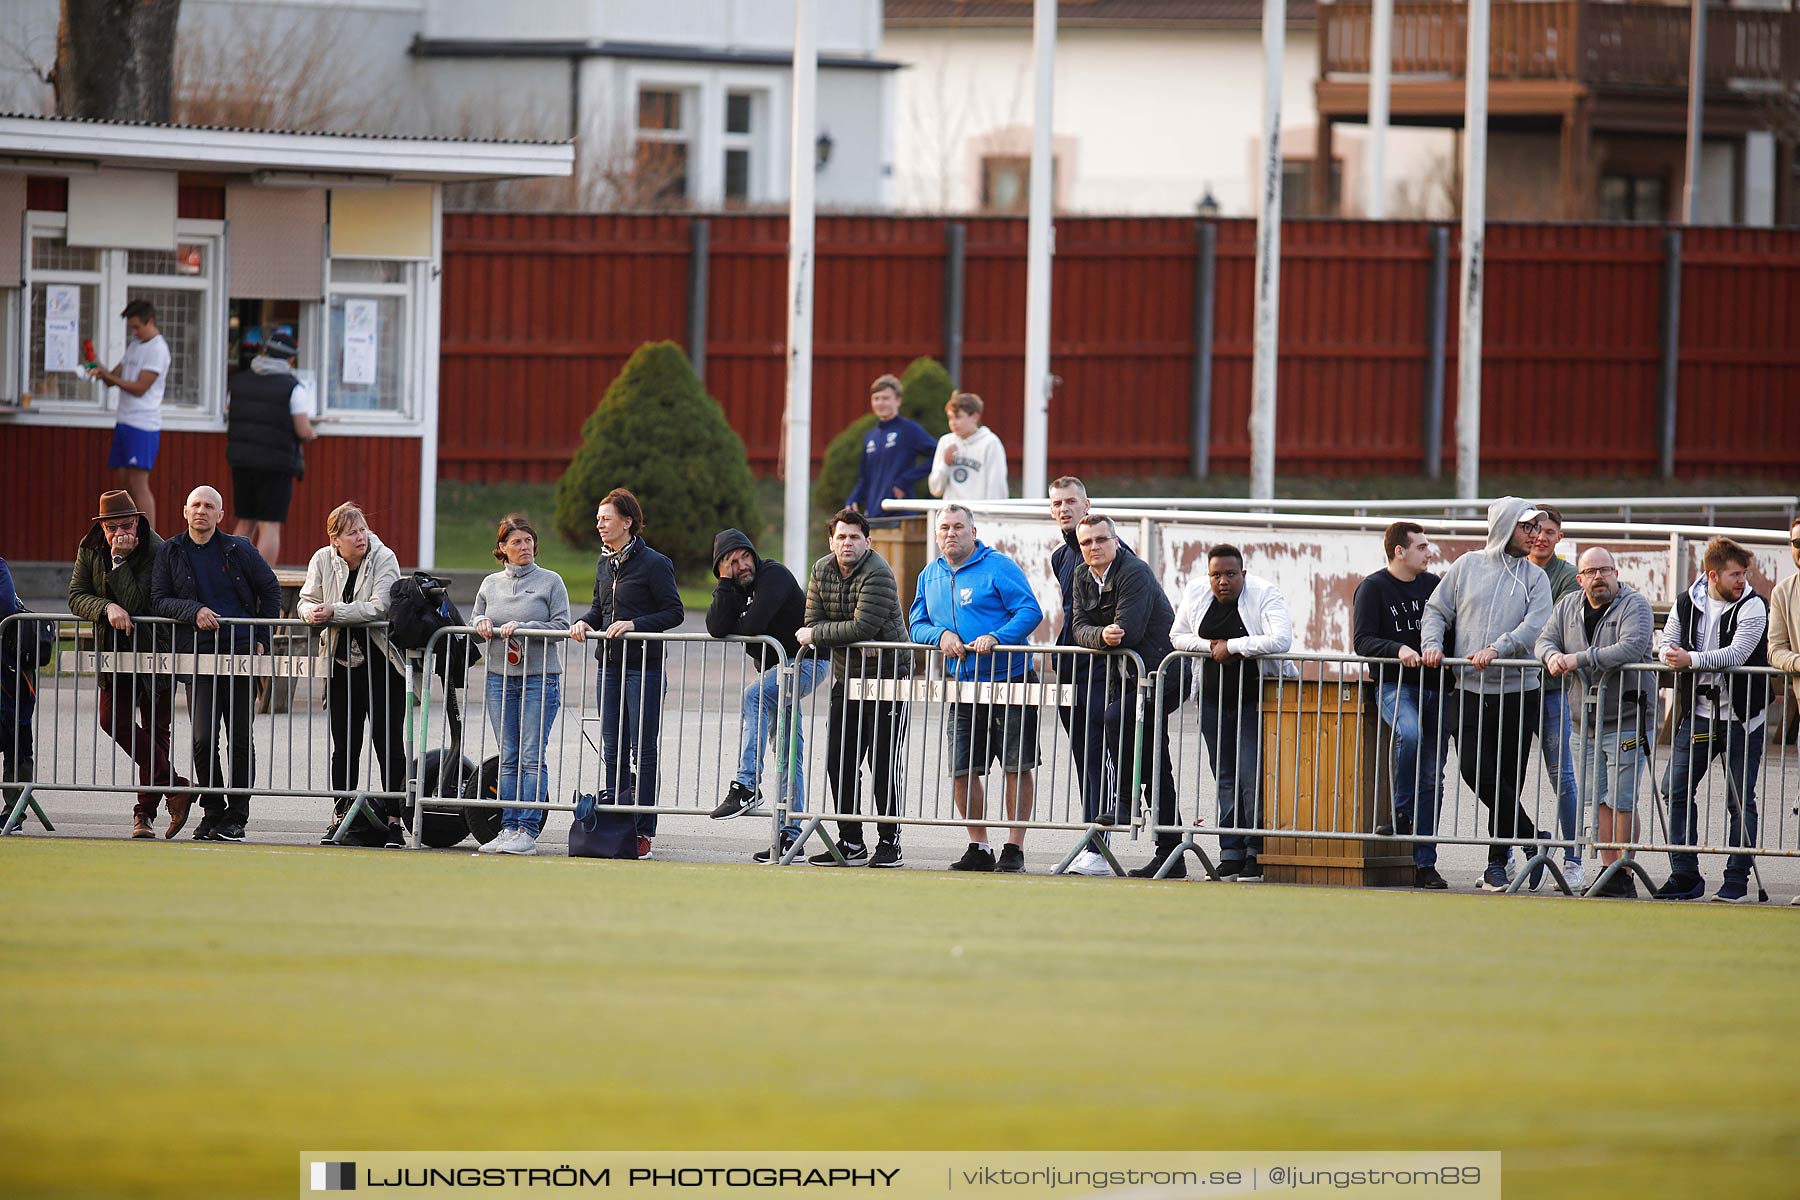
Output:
x,y
347,586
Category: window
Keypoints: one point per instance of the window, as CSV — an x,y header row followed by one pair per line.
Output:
x,y
1296,188
368,341
1633,198
182,285
742,153
663,137
1006,183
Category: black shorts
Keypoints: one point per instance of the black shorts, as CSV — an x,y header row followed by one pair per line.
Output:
x,y
261,495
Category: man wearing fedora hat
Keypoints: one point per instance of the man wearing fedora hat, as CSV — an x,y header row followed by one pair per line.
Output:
x,y
268,421
111,588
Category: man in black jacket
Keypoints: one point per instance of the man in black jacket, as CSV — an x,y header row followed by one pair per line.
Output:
x,y
760,598
201,576
1119,605
110,586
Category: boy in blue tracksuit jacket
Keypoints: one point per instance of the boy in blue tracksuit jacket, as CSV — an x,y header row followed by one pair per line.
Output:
x,y
969,601
896,453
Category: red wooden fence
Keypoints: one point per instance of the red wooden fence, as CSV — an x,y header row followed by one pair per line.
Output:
x,y
540,312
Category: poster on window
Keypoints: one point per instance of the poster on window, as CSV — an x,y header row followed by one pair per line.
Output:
x,y
360,328
62,327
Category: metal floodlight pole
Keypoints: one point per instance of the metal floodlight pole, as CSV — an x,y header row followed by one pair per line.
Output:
x,y
1690,187
1268,260
1381,61
1040,241
797,431
1474,224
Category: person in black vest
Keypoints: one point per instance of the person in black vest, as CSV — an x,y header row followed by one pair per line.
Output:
x,y
1082,719
201,575
268,420
634,592
1717,624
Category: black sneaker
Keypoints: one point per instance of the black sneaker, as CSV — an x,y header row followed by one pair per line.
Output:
x,y
208,828
976,858
738,801
329,838
1251,872
1683,885
1108,817
228,832
1620,887
1429,879
396,836
1149,869
855,855
1012,860
1230,870
887,854
787,843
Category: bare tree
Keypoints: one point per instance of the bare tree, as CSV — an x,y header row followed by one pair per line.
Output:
x,y
115,59
300,78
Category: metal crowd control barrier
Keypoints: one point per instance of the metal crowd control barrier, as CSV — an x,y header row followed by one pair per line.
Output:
x,y
1342,768
656,729
105,707
937,747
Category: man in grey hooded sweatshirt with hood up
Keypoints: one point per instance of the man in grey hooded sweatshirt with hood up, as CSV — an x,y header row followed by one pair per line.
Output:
x,y
1496,601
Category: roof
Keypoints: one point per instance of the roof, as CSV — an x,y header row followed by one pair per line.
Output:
x,y
63,141
1093,14
424,47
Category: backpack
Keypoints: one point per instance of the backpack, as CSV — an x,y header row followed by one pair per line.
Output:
x,y
418,606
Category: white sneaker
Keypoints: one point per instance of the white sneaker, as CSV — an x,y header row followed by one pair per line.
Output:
x,y
1512,868
1090,862
501,841
1575,875
522,843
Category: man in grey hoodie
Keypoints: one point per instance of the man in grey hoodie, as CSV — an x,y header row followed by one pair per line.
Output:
x,y
1497,602
1592,635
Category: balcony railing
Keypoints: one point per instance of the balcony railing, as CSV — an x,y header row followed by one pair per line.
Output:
x,y
1639,45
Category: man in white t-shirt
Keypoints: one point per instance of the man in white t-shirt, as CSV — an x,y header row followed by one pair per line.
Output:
x,y
140,377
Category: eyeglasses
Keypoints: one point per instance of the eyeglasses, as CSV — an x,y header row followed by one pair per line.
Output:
x,y
1530,526
1589,572
1095,541
131,526
1794,542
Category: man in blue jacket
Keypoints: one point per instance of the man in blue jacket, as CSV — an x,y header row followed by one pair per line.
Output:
x,y
897,453
968,602
202,575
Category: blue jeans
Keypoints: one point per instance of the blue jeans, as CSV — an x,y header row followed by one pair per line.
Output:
x,y
631,701
1233,737
1699,740
762,702
522,708
1559,764
1417,719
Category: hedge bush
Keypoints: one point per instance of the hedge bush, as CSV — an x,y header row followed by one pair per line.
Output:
x,y
925,389
657,432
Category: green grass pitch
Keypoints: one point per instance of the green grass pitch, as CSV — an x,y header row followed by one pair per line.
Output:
x,y
182,1020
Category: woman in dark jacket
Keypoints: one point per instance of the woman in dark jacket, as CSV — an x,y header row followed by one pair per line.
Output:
x,y
634,592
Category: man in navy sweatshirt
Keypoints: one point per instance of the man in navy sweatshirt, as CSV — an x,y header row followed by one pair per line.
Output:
x,y
1385,624
897,453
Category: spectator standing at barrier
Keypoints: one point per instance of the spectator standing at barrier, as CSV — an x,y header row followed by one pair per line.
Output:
x,y
1389,606
268,421
1718,624
634,592
759,597
18,692
141,377
524,677
970,463
897,453
1497,602
852,596
1591,634
1119,605
203,574
1239,621
346,590
1554,731
1081,720
1784,628
111,586
968,602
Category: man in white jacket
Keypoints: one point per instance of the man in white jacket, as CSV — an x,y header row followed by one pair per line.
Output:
x,y
970,463
1236,620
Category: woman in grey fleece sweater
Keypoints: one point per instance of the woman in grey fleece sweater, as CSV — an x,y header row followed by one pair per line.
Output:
x,y
524,676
